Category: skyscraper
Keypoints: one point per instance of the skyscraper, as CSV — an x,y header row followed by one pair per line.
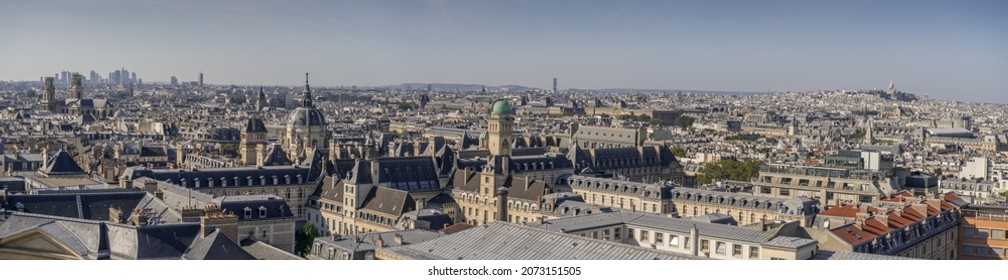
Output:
x,y
174,81
95,79
554,85
201,79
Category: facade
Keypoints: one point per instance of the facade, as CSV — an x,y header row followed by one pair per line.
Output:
x,y
523,242
902,225
292,183
831,186
689,237
983,233
507,188
363,246
627,195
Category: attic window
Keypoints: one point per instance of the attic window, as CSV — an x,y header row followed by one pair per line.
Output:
x,y
262,212
248,213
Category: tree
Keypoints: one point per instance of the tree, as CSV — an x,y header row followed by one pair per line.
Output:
x,y
728,169
678,152
684,121
304,238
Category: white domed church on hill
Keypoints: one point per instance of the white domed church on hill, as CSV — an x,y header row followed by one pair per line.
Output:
x,y
306,129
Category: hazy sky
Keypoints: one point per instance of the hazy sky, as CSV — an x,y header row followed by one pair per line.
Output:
x,y
948,49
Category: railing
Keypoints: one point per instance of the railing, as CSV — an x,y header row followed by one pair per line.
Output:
x,y
992,215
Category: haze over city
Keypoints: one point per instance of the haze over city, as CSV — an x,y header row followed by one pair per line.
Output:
x,y
948,50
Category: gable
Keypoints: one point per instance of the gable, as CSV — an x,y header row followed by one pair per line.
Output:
x,y
35,245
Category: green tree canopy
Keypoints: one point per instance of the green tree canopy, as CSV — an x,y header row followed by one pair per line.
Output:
x,y
728,169
304,238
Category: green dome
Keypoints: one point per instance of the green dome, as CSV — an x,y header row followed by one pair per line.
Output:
x,y
501,107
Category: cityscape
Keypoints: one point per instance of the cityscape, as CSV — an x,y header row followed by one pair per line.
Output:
x,y
121,164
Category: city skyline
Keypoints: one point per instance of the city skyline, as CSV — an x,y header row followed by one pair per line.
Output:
x,y
947,51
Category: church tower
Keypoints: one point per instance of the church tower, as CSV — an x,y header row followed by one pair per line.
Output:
x,y
252,137
306,128
77,87
261,101
49,96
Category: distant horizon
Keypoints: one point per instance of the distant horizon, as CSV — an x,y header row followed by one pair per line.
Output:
x,y
946,50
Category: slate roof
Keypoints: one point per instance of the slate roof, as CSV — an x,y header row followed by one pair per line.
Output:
x,y
216,246
92,205
100,239
831,255
389,201
62,164
366,242
507,241
276,207
262,251
176,176
655,221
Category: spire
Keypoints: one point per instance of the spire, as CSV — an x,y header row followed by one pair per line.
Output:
x,y
307,102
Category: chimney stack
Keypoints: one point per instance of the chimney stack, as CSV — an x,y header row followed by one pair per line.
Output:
x,y
502,210
398,239
115,215
379,243
214,217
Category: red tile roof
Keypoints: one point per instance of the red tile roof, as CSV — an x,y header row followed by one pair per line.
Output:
x,y
853,235
847,210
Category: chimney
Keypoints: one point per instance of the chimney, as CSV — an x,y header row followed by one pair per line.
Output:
x,y
502,210
138,218
150,186
379,243
115,215
398,239
694,240
45,157
159,195
217,218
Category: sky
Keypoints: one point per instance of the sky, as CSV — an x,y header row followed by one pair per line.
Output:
x,y
947,49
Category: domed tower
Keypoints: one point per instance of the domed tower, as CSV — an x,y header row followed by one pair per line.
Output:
x,y
306,128
500,129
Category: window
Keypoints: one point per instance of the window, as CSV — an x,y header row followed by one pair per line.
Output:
x,y
765,190
785,192
720,248
265,233
616,234
262,212
753,252
248,213
997,234
643,236
346,256
673,241
969,232
629,233
704,245
736,250
605,234
659,237
983,233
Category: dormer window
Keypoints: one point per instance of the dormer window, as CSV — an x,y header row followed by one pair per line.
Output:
x,y
248,213
262,212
